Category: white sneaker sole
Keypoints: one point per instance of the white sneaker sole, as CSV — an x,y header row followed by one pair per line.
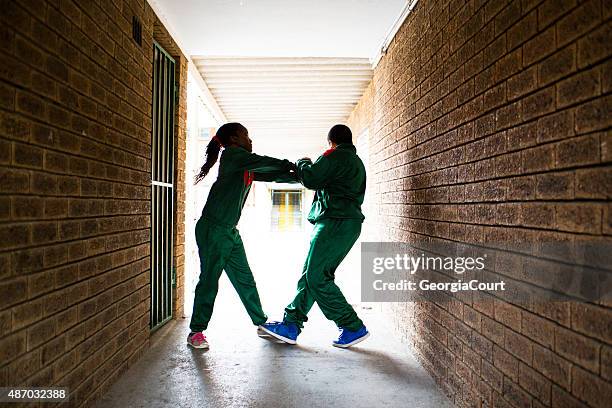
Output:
x,y
201,346
277,336
352,343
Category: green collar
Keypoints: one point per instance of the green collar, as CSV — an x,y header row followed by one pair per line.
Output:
x,y
347,146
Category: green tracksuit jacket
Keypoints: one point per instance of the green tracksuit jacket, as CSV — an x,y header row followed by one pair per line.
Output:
x,y
339,178
220,246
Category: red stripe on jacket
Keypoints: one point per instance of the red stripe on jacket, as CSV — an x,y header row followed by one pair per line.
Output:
x,y
248,177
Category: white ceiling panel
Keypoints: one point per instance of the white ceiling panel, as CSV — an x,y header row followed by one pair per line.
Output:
x,y
288,104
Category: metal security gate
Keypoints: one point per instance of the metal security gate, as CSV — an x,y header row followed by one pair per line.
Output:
x,y
162,184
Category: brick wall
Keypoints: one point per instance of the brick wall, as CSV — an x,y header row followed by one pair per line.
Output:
x,y
491,120
75,171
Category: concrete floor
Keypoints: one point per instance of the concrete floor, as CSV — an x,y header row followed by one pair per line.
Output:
x,y
243,370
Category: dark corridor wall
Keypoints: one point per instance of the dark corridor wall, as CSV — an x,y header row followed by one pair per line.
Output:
x,y
75,190
489,121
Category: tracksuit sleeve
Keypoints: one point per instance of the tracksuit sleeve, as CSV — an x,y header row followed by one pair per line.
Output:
x,y
278,177
261,164
314,175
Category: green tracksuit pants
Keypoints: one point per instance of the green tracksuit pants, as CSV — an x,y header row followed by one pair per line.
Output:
x,y
331,241
221,248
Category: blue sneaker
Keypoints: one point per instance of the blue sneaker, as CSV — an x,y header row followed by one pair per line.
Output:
x,y
349,338
284,331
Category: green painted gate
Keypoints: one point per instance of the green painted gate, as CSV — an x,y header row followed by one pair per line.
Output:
x,y
162,185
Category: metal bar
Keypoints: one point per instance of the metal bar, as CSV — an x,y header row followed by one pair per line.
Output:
x,y
159,183
161,49
153,280
172,178
162,278
162,177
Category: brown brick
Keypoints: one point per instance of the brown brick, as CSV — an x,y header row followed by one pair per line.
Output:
x,y
606,362
6,325
515,394
594,115
43,183
5,208
552,366
588,387
68,230
562,399
579,217
44,232
508,115
594,183
30,104
535,383
523,30
551,10
539,103
538,158
508,314
52,350
66,319
577,348
14,235
43,85
584,85
27,207
539,47
560,64
607,220
40,332
491,375
55,207
606,77
577,151
592,320
26,314
595,46
27,155
555,186
578,22
7,97
508,164
12,346
522,83
558,125
521,136
507,17
495,50
14,127
518,345
27,52
538,329
508,65
538,215
6,151
495,97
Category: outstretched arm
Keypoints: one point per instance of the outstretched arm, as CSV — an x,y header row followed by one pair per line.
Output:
x,y
315,175
261,164
278,177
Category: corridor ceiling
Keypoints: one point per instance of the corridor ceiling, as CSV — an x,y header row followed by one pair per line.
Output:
x,y
287,69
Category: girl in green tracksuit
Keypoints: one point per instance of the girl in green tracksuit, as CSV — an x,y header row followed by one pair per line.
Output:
x,y
219,244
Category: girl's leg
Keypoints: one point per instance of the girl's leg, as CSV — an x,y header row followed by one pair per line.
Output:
x,y
331,243
239,273
214,246
297,311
